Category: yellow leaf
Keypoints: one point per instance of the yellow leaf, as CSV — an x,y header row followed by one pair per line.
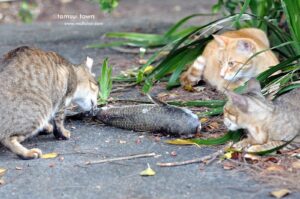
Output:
x,y
180,142
49,155
148,172
148,69
2,171
189,88
203,120
280,193
228,155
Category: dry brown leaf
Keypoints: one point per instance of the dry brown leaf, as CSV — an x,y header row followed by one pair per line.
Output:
x,y
252,157
228,165
213,125
280,193
275,168
296,164
2,171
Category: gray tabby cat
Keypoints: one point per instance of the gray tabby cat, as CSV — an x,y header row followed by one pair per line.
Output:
x,y
269,124
36,86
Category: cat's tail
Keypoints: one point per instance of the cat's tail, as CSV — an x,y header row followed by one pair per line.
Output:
x,y
194,73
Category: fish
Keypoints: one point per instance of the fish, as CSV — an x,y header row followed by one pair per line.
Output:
x,y
158,117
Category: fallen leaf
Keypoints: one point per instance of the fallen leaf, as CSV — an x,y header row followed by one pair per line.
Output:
x,y
213,125
203,120
275,168
2,171
228,165
252,157
148,69
189,88
52,165
49,155
122,142
228,155
19,168
280,193
148,172
296,164
2,182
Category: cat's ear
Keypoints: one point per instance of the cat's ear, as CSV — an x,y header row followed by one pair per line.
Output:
x,y
238,100
89,64
253,86
245,46
221,40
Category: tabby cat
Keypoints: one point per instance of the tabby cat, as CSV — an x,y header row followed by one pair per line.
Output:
x,y
36,86
223,63
269,123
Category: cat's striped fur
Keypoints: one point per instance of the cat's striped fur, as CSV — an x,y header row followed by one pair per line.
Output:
x,y
269,123
36,86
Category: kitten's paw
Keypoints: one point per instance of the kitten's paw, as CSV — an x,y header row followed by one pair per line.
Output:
x,y
63,134
67,134
241,145
254,148
32,154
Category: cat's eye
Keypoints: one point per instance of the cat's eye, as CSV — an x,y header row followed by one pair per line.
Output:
x,y
230,64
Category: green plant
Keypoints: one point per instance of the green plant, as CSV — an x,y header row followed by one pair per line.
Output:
x,y
108,5
105,83
25,12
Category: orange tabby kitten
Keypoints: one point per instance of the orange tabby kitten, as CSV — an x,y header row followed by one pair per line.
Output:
x,y
223,61
269,123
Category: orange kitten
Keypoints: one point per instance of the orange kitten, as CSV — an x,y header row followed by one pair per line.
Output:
x,y
222,63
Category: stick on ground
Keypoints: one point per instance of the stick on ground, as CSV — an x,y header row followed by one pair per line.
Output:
x,y
145,155
209,158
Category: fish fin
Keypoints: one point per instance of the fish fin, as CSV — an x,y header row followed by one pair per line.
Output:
x,y
156,100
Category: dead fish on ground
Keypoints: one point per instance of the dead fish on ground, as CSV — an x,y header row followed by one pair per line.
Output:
x,y
158,117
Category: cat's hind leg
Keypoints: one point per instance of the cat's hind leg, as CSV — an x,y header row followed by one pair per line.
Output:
x,y
13,144
194,73
47,129
59,130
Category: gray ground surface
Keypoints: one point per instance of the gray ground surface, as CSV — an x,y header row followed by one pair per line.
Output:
x,y
71,178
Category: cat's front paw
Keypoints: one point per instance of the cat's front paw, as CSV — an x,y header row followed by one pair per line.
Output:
x,y
31,154
62,134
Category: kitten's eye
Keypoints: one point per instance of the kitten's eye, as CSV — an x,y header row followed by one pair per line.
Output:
x,y
230,64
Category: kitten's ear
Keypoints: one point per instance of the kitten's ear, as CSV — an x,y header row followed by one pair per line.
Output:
x,y
253,86
221,40
89,63
245,46
237,100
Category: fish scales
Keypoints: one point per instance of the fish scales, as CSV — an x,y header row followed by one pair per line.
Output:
x,y
151,117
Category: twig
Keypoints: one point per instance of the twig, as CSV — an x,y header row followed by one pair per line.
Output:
x,y
133,50
123,87
210,157
121,158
